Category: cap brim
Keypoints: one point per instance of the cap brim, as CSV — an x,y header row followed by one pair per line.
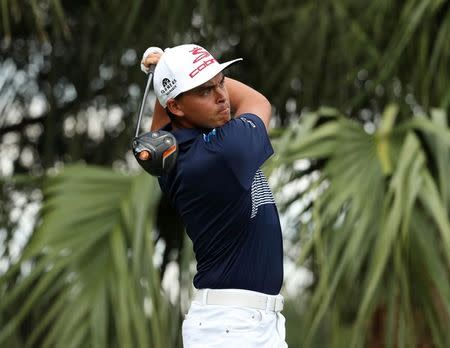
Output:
x,y
227,64
210,74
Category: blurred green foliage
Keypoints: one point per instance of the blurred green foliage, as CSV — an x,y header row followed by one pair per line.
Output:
x,y
377,172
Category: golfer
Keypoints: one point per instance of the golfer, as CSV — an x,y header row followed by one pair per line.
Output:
x,y
222,197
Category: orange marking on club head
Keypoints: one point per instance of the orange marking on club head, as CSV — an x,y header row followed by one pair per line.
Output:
x,y
169,151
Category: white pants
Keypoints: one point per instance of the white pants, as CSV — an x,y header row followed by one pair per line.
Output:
x,y
214,326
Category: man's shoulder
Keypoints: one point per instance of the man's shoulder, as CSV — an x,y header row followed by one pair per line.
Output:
x,y
241,130
248,119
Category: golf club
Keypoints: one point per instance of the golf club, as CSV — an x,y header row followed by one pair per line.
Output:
x,y
155,151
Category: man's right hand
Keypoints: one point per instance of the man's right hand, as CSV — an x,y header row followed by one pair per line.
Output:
x,y
150,57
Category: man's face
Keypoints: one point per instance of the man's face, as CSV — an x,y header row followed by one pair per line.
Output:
x,y
206,106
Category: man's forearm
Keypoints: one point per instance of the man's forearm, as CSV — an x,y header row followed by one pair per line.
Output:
x,y
244,99
160,117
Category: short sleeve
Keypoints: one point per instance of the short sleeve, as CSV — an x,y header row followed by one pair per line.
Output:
x,y
245,146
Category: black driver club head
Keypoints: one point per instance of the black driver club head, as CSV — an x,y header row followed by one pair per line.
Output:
x,y
156,152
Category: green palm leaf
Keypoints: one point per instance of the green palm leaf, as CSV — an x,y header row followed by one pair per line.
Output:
x,y
380,225
92,281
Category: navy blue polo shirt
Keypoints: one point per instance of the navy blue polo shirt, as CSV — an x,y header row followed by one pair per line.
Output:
x,y
227,207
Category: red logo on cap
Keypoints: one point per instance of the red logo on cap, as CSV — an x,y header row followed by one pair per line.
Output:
x,y
201,55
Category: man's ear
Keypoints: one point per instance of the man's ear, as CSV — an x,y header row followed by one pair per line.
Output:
x,y
175,108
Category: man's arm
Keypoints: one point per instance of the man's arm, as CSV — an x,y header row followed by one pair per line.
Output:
x,y
160,117
244,99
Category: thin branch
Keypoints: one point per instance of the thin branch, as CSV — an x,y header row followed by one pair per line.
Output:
x,y
20,126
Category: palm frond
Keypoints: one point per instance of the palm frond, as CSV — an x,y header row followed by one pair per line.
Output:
x,y
382,209
92,279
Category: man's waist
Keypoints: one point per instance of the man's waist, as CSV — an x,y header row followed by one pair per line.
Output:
x,y
240,298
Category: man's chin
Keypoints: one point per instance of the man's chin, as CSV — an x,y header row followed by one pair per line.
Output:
x,y
224,121
220,120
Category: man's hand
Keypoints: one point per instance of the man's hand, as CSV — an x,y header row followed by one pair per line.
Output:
x,y
150,57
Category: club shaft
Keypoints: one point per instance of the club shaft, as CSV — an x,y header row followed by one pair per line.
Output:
x,y
144,99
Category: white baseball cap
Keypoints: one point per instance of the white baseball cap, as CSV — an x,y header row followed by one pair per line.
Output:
x,y
182,68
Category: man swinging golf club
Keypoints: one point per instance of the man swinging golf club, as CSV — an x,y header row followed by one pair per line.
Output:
x,y
222,197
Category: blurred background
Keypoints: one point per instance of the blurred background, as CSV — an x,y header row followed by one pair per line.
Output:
x,y
91,255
